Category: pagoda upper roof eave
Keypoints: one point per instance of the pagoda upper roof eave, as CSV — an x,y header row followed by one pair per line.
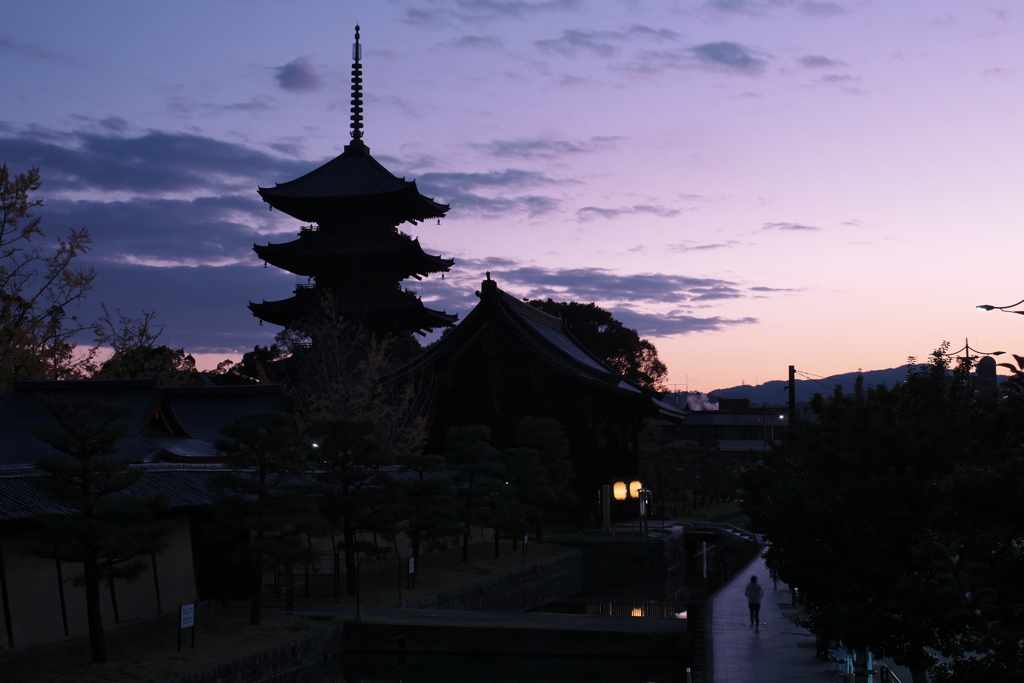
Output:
x,y
351,178
429,265
309,244
312,259
411,309
397,207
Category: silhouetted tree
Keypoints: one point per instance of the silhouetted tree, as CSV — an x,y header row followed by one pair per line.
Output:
x,y
429,505
264,495
255,366
616,345
477,474
40,286
104,532
361,424
857,500
516,502
136,353
353,488
550,491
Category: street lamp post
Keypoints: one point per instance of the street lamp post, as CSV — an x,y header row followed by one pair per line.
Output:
x,y
1004,309
967,350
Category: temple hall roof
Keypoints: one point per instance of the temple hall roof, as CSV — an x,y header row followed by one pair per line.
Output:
x,y
544,336
178,424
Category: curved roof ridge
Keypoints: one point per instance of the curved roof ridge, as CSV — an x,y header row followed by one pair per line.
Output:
x,y
528,311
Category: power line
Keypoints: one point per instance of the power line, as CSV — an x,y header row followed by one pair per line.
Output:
x,y
814,378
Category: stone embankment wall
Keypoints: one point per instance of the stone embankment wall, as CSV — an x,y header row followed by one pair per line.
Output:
x,y
519,590
296,661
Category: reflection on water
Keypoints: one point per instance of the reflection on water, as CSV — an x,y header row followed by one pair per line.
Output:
x,y
617,608
409,668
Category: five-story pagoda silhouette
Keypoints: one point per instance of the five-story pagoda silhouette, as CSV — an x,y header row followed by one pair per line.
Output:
x,y
351,247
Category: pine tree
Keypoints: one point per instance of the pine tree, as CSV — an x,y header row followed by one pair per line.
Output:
x,y
103,531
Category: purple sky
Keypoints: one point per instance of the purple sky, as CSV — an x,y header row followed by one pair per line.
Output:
x,y
752,184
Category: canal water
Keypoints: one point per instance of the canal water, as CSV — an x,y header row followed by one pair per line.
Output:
x,y
532,668
535,669
649,598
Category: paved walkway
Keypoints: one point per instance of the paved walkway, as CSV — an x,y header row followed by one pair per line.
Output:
x,y
778,651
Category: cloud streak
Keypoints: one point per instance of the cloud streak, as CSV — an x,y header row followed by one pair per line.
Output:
x,y
469,191
298,75
547,148
720,57
590,213
709,246
790,227
477,11
812,8
156,162
728,56
629,297
579,42
820,62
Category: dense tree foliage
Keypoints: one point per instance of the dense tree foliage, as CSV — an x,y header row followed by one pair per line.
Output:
x,y
104,533
136,353
477,475
361,424
263,497
616,345
896,513
429,505
545,486
41,283
254,367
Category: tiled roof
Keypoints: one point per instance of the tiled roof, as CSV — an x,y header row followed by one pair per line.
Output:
x,y
350,174
183,486
559,340
544,336
190,424
363,305
353,174
318,252
20,415
203,411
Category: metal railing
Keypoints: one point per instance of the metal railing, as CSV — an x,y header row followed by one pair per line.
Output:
x,y
887,676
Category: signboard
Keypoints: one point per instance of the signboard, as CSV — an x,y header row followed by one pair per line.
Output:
x,y
412,565
188,616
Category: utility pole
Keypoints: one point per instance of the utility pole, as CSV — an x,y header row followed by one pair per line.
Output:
x,y
792,394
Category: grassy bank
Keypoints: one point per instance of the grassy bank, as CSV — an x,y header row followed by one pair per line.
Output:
x,y
147,651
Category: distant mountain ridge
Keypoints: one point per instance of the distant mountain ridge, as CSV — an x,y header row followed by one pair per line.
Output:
x,y
776,392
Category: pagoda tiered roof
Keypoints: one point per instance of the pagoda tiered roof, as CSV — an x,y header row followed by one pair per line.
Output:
x,y
392,255
352,183
355,251
397,306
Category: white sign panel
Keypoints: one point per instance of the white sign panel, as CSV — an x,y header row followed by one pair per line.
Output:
x,y
188,615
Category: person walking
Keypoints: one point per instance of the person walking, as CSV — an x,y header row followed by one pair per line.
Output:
x,y
754,592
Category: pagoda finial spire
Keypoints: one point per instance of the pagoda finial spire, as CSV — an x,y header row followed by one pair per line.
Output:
x,y
357,90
